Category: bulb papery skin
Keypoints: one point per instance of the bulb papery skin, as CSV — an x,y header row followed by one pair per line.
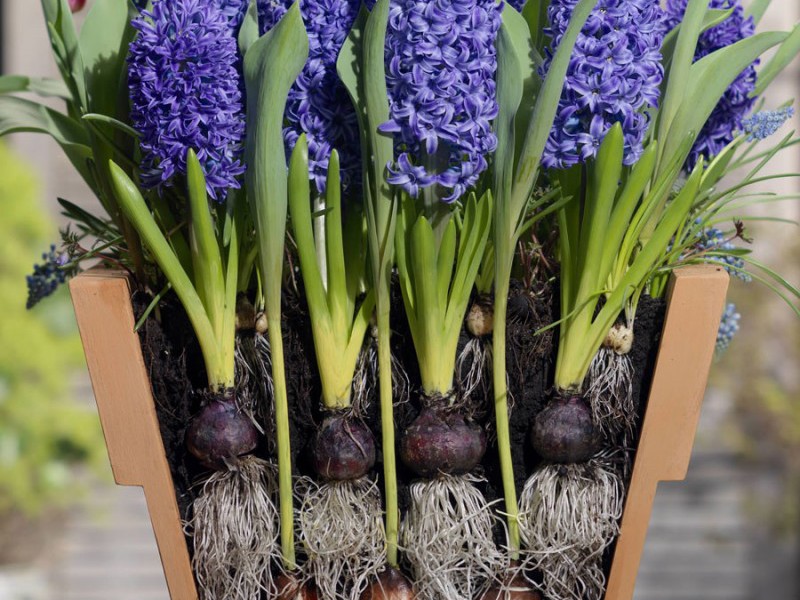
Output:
x,y
480,319
344,449
619,339
440,74
563,432
220,433
728,116
614,76
440,442
390,584
185,91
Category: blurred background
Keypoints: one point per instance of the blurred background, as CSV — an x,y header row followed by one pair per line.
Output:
x,y
67,533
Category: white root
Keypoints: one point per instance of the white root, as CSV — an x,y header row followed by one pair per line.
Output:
x,y
610,395
474,365
447,537
568,516
235,530
365,380
341,528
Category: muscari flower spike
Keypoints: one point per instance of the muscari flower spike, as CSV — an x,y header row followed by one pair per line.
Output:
x,y
715,240
613,77
47,276
761,125
728,116
728,327
185,93
318,103
440,70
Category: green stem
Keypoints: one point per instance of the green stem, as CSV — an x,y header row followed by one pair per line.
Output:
x,y
502,285
387,428
283,442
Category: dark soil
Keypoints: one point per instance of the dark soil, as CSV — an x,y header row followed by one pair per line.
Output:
x,y
176,370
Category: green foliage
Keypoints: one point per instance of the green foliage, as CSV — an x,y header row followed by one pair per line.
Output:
x,y
43,434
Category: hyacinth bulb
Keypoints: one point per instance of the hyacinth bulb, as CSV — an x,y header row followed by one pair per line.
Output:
x,y
441,442
76,5
390,584
220,433
564,431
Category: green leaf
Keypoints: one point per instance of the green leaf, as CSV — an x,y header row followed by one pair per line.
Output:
x,y
680,65
209,280
133,206
708,79
445,262
64,40
111,122
362,70
249,31
712,18
20,115
544,112
302,226
104,39
271,66
43,86
786,53
511,47
756,9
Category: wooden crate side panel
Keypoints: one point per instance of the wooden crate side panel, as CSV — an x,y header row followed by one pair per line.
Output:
x,y
696,299
127,413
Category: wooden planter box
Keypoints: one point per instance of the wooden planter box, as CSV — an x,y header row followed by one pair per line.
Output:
x,y
103,308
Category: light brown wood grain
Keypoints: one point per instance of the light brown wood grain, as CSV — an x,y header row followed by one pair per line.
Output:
x,y
124,398
102,301
696,298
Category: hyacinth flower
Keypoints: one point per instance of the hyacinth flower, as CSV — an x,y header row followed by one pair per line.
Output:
x,y
614,77
319,105
761,125
185,94
440,68
727,118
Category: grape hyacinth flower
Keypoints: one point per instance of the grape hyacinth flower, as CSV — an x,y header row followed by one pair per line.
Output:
x,y
715,240
185,93
46,277
614,75
763,124
728,327
318,103
727,117
440,74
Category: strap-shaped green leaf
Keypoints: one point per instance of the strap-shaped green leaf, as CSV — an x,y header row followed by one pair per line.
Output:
x,y
786,53
66,47
42,86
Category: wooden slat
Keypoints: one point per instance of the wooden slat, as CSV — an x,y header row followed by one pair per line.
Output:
x,y
696,299
102,301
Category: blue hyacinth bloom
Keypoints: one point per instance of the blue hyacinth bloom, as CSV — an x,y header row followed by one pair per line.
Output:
x,y
185,93
440,74
613,77
763,124
727,117
728,327
47,276
318,103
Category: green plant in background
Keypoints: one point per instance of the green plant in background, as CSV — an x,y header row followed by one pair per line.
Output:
x,y
43,435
